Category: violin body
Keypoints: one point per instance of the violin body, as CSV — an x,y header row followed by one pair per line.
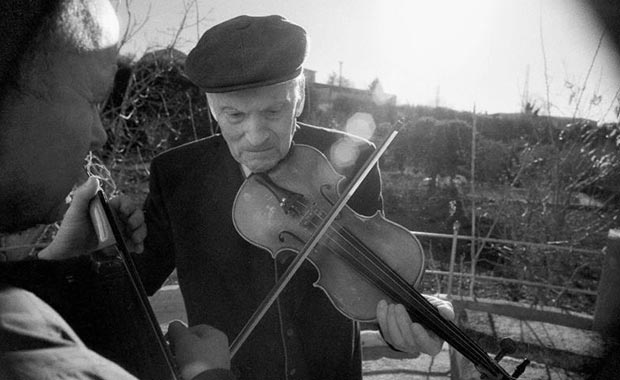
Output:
x,y
310,184
296,207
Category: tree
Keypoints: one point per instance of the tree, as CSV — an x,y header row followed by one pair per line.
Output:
x,y
339,81
374,85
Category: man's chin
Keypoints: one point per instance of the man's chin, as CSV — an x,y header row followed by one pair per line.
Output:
x,y
259,170
261,166
23,210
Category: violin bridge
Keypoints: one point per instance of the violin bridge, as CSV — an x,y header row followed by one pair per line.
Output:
x,y
312,217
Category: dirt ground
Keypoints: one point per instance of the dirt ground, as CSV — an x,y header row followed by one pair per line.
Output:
x,y
438,368
381,363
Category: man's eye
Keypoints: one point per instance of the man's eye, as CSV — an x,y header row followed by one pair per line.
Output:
x,y
234,116
273,113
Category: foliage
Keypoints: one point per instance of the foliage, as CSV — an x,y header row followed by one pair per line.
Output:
x,y
154,106
435,147
342,109
408,203
338,80
532,173
495,160
598,145
443,148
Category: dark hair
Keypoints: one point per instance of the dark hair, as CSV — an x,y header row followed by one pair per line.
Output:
x,y
65,24
27,21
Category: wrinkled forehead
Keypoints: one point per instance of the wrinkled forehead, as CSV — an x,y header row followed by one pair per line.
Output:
x,y
260,97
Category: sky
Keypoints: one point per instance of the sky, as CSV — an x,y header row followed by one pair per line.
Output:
x,y
461,54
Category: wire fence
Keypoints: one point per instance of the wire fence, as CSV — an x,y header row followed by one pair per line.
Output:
x,y
565,291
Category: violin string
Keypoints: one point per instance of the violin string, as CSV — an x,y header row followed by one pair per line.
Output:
x,y
439,323
407,292
393,284
376,262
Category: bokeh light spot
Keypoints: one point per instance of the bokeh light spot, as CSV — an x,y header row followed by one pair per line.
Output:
x,y
361,124
344,153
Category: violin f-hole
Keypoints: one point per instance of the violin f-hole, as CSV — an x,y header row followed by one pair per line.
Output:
x,y
282,236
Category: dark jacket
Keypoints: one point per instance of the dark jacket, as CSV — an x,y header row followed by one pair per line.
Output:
x,y
223,278
38,339
36,343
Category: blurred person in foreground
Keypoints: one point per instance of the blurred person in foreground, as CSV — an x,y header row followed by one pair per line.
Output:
x,y
57,64
251,69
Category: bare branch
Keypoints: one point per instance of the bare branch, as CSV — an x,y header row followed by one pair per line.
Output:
x,y
544,56
133,24
585,81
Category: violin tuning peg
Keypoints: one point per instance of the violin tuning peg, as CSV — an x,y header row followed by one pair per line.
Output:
x,y
520,369
507,346
400,124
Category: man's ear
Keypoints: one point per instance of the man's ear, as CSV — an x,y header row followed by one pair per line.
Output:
x,y
299,107
210,102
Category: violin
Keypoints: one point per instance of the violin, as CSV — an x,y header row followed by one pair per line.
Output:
x,y
360,260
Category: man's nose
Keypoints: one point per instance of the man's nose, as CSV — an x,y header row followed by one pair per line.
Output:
x,y
98,135
257,131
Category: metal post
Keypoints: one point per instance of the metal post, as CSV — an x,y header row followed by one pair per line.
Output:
x,y
607,308
473,204
455,234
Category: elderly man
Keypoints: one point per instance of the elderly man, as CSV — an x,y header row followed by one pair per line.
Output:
x,y
57,64
251,70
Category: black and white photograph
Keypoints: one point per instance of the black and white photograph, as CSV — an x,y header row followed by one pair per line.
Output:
x,y
309,190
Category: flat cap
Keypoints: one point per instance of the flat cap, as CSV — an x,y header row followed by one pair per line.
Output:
x,y
247,52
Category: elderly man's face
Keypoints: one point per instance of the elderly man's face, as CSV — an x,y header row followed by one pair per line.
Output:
x,y
258,124
45,133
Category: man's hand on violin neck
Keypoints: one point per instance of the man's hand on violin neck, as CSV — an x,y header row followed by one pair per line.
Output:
x,y
401,333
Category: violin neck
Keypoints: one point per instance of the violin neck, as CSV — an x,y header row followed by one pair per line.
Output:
x,y
456,338
423,312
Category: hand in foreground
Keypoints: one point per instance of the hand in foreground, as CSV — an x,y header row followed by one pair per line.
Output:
x,y
198,348
404,335
76,235
131,220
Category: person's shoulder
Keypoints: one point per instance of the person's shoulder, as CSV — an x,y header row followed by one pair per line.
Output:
x,y
322,137
16,298
32,330
24,315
